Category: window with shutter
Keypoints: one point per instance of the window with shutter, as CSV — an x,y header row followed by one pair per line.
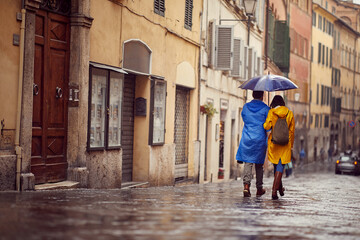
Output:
x,y
159,7
235,71
246,62
270,50
259,66
241,60
188,14
211,43
254,65
330,57
282,46
250,63
224,47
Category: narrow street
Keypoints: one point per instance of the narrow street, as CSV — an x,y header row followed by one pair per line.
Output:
x,y
317,205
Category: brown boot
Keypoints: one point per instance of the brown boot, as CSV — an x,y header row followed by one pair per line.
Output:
x,y
247,190
281,189
260,192
276,184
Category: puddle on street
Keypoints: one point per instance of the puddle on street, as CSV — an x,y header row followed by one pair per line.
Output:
x,y
312,208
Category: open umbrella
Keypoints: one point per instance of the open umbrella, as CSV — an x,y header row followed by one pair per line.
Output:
x,y
268,83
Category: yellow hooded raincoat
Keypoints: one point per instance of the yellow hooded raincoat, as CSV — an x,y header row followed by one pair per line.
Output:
x,y
275,151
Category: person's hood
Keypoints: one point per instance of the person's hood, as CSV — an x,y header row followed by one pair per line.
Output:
x,y
256,105
281,111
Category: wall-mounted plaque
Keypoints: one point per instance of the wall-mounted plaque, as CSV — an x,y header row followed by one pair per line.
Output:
x,y
140,106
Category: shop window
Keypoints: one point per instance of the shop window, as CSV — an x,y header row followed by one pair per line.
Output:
x,y
105,107
157,112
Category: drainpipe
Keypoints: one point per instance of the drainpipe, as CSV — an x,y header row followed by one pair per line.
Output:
x,y
266,33
18,149
354,113
199,86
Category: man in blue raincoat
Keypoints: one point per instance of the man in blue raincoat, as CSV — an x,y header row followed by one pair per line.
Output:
x,y
253,144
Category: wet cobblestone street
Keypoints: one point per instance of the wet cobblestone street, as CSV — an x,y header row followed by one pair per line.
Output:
x,y
317,205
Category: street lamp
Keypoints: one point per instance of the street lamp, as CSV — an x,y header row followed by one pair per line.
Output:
x,y
250,6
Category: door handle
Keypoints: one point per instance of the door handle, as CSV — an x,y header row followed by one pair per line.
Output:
x,y
59,92
35,89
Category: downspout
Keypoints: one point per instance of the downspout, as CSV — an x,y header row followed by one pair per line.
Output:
x,y
354,114
199,86
18,149
266,33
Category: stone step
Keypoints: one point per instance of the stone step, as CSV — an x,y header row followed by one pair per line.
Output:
x,y
128,185
58,185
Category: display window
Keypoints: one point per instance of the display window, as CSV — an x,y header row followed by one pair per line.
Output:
x,y
157,112
105,102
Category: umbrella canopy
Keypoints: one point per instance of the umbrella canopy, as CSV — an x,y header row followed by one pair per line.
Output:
x,y
268,83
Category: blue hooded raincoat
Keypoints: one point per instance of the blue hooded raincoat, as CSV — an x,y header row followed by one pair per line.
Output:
x,y
253,142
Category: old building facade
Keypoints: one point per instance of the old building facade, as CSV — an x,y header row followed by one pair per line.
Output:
x,y
101,99
230,54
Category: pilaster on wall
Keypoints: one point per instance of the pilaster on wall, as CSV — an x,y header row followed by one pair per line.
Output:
x,y
27,99
80,22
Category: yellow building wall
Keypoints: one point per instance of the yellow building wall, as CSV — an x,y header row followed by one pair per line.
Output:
x,y
320,73
172,47
9,62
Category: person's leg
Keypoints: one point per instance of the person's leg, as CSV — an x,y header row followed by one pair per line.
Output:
x,y
277,180
259,168
247,176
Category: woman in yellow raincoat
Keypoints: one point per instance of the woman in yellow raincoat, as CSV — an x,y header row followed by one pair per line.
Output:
x,y
279,155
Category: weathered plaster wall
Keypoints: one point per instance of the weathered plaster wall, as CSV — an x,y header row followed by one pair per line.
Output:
x,y
9,62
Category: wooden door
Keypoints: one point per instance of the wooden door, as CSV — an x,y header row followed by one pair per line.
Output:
x,y
50,94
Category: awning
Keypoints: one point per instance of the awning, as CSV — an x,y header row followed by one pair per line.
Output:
x,y
103,66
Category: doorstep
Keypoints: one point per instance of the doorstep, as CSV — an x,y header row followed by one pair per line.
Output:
x,y
58,185
128,185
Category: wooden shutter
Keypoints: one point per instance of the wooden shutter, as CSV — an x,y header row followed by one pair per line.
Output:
x,y
211,43
282,46
159,7
235,71
188,14
255,66
250,63
241,60
224,47
246,62
270,33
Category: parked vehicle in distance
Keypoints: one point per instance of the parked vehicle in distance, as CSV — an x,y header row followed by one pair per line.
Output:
x,y
347,163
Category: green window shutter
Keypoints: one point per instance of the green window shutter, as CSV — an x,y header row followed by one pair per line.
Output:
x,y
282,46
270,50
